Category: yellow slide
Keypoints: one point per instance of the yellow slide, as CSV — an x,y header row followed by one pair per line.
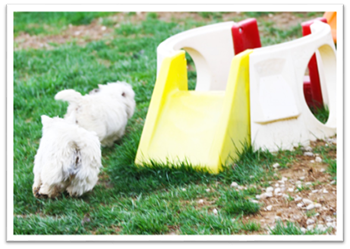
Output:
x,y
204,129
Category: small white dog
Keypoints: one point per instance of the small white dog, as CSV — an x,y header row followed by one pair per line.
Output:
x,y
68,158
105,110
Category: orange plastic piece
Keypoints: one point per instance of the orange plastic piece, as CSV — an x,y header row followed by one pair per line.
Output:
x,y
332,21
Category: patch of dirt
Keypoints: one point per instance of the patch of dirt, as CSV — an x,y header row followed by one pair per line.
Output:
x,y
316,187
303,183
204,202
173,230
83,34
285,20
80,34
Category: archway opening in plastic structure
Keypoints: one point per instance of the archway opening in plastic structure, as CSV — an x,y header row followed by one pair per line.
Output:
x,y
191,72
316,93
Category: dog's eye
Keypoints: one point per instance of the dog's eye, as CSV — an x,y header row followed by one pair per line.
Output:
x,y
123,94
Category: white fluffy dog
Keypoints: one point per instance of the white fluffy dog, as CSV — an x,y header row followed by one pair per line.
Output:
x,y
105,110
68,158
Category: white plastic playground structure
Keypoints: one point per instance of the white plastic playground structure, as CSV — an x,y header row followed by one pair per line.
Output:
x,y
211,50
280,117
322,78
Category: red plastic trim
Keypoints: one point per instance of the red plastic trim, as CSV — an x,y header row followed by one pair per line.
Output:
x,y
314,97
245,35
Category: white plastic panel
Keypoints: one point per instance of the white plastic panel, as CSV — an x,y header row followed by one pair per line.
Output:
x,y
276,99
322,78
280,117
211,48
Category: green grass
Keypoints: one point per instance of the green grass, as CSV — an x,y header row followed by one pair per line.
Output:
x,y
325,154
321,113
310,213
332,168
129,200
292,229
237,202
35,23
211,15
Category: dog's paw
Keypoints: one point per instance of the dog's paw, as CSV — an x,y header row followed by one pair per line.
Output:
x,y
109,142
71,192
56,193
45,191
37,194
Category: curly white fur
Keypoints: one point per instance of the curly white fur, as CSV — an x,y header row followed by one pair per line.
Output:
x,y
105,110
68,158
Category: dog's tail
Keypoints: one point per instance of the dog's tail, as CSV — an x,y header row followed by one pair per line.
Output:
x,y
69,95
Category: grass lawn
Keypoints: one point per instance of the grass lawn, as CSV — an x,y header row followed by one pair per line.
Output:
x,y
127,199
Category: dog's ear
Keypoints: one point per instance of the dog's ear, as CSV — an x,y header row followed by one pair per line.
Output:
x,y
45,119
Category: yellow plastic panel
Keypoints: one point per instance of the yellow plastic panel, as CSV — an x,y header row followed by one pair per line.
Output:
x,y
233,130
202,128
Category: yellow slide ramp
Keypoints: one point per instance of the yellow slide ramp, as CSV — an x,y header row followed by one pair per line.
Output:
x,y
204,129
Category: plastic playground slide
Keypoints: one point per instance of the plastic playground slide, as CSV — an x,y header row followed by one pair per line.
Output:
x,y
262,103
203,128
